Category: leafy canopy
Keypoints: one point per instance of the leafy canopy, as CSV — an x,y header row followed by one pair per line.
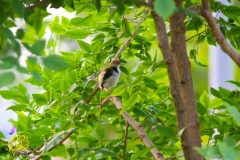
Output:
x,y
66,76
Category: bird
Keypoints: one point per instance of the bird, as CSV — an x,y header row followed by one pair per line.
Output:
x,y
109,77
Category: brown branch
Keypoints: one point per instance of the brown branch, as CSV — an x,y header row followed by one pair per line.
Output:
x,y
212,23
120,51
139,129
206,4
179,73
94,92
186,105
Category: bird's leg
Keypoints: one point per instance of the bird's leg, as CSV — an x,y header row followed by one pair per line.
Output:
x,y
109,91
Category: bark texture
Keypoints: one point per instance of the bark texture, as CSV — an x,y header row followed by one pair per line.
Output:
x,y
186,112
180,77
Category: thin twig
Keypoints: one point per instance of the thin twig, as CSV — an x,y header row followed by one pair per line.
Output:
x,y
196,35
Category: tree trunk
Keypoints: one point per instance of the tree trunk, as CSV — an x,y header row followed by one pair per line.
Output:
x,y
180,77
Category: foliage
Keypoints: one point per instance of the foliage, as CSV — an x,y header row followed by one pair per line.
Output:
x,y
66,77
220,126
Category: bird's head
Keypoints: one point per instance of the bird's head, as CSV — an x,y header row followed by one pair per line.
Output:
x,y
116,63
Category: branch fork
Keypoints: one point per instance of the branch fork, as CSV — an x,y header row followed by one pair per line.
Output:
x,y
138,127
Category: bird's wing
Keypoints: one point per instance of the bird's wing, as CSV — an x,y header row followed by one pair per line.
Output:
x,y
101,78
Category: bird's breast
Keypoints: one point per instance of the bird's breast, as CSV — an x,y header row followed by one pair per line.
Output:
x,y
113,79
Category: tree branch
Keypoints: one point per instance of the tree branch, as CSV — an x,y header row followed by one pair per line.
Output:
x,y
212,23
55,141
123,47
139,129
206,4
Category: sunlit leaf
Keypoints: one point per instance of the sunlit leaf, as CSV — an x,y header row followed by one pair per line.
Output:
x,y
234,113
164,8
55,62
6,78
133,99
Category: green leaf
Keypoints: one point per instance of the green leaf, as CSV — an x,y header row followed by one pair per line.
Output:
x,y
24,122
18,7
141,153
215,92
119,90
47,122
42,131
166,131
77,33
120,6
1,135
237,83
20,33
164,8
85,46
38,47
209,152
193,55
6,78
133,99
100,131
40,99
8,62
59,151
228,153
125,27
18,107
195,23
18,93
204,99
234,113
231,11
86,21
55,62
64,84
